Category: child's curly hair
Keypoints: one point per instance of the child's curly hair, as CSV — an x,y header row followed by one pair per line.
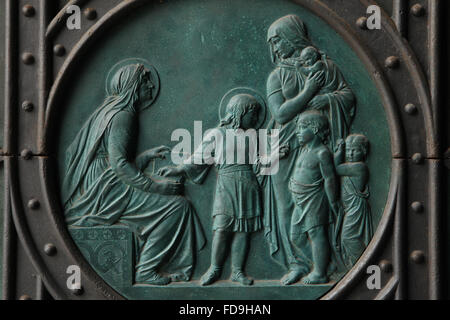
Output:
x,y
360,140
317,122
238,107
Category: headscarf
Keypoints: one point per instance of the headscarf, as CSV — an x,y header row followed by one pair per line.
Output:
x,y
291,29
122,94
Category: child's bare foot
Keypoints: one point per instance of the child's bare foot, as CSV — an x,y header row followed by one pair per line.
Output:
x,y
292,277
239,276
211,276
314,278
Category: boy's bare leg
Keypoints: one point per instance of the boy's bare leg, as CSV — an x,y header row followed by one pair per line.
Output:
x,y
239,252
219,251
297,271
321,256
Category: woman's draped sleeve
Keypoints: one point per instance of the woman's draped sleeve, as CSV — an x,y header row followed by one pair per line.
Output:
x,y
120,138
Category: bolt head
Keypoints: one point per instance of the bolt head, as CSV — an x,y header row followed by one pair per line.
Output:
x,y
34,204
392,62
417,256
418,10
77,291
410,109
28,10
417,206
386,266
50,249
26,154
417,158
90,13
59,50
28,58
27,106
362,23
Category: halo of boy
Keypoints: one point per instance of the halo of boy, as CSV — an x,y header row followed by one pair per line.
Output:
x,y
243,90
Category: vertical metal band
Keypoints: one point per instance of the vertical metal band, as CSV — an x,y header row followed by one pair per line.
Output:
x,y
400,16
11,74
435,219
44,69
9,234
400,233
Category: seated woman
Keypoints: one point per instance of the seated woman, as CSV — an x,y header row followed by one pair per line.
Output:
x,y
103,185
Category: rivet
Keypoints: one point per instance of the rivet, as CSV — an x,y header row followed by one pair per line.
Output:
x,y
77,291
386,266
28,10
27,106
410,109
27,154
362,23
25,297
59,50
90,13
50,249
418,10
417,158
417,206
27,58
34,204
418,256
392,62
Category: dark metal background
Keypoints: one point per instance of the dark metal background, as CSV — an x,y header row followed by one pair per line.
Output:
x,y
410,243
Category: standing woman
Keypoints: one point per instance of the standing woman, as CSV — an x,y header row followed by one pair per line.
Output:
x,y
289,93
104,183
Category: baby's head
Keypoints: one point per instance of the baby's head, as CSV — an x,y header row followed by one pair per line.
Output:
x,y
242,112
356,148
312,123
309,56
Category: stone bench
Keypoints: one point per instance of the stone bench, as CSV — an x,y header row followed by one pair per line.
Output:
x,y
109,250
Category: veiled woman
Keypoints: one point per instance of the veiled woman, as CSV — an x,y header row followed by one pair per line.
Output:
x,y
104,184
290,93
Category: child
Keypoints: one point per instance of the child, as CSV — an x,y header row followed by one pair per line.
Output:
x,y
310,61
314,190
357,228
237,207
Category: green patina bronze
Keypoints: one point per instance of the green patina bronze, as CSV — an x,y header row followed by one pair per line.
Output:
x,y
139,220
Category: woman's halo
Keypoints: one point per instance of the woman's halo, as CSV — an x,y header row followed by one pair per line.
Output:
x,y
226,98
154,76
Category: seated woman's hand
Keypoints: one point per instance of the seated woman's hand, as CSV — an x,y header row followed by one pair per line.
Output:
x,y
156,153
166,187
170,172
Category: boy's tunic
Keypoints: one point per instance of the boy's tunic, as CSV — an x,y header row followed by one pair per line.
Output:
x,y
357,230
237,202
312,209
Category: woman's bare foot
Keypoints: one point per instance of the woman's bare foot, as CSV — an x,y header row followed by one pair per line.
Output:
x,y
211,276
314,278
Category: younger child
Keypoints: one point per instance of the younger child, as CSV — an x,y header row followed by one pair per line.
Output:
x,y
314,190
357,230
310,61
237,206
